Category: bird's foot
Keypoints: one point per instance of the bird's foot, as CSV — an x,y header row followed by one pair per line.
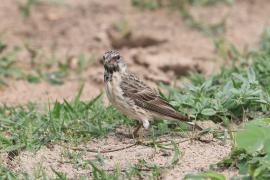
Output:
x,y
140,136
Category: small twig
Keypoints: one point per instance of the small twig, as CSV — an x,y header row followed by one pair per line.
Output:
x,y
98,151
124,169
149,143
221,131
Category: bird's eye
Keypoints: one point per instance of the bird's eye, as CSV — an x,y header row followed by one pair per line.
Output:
x,y
117,57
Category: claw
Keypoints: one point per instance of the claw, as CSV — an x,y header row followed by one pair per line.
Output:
x,y
135,132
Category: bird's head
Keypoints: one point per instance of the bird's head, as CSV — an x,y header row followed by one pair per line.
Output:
x,y
114,62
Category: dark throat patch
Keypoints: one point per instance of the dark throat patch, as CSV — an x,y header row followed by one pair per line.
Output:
x,y
107,76
109,70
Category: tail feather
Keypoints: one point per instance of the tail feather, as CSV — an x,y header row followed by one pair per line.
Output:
x,y
180,117
186,119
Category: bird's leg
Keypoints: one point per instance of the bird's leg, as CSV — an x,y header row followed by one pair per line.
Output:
x,y
135,132
146,125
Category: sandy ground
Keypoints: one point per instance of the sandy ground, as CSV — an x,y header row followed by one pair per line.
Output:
x,y
68,28
195,156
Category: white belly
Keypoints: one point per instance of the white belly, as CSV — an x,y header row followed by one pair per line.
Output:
x,y
121,103
113,91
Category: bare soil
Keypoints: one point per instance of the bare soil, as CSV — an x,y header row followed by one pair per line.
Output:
x,y
195,156
162,48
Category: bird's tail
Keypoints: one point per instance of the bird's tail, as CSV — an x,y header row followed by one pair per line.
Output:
x,y
180,117
186,119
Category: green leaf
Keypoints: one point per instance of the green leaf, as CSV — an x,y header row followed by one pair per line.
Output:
x,y
250,139
267,146
176,155
208,112
56,110
32,78
60,175
78,96
251,75
205,175
254,136
207,84
93,101
54,78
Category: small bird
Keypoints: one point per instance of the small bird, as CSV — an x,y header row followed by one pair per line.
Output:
x,y
133,97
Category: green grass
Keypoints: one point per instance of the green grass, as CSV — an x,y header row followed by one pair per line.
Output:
x,y
27,129
8,66
76,121
52,70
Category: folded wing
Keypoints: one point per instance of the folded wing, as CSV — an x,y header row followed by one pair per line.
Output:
x,y
145,97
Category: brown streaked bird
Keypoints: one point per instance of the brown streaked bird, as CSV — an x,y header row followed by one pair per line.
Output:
x,y
133,97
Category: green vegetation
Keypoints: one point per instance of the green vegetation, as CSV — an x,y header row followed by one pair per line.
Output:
x,y
244,91
234,94
252,150
142,169
154,4
6,174
238,93
8,67
52,71
27,128
205,175
251,153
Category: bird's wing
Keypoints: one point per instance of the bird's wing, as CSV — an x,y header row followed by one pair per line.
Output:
x,y
146,98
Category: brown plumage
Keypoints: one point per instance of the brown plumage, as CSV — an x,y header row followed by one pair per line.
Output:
x,y
133,97
146,98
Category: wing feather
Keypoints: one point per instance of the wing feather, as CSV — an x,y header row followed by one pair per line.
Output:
x,y
145,97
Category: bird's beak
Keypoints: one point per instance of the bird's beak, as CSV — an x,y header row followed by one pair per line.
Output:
x,y
111,62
